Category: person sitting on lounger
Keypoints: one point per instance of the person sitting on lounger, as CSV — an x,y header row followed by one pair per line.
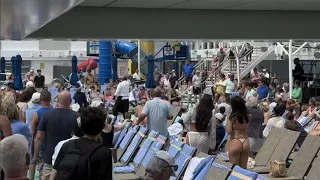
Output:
x,y
276,121
311,109
160,167
293,125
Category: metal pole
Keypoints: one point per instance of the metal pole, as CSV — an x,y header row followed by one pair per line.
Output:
x,y
139,55
305,43
238,65
290,68
283,47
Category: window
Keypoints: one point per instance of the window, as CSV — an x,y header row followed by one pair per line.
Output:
x,y
211,45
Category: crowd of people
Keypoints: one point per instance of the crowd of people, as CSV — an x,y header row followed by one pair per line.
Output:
x,y
74,141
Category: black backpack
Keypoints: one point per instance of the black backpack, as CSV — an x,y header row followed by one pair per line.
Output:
x,y
76,164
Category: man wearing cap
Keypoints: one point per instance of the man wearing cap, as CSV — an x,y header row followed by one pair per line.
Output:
x,y
32,109
39,81
160,167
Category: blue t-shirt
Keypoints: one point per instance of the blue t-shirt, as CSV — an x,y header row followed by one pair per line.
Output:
x,y
19,127
263,92
30,112
187,69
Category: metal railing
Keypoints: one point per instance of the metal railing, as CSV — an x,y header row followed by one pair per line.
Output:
x,y
226,67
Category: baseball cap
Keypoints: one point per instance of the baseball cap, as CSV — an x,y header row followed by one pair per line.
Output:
x,y
219,116
35,97
164,155
29,84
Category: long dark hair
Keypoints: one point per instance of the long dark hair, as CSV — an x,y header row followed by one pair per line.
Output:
x,y
204,113
239,110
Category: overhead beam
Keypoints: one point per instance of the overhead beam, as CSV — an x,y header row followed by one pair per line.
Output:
x,y
135,23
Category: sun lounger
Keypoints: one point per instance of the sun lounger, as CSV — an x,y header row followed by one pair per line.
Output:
x,y
266,151
303,160
139,157
182,160
174,148
282,150
311,126
203,168
175,112
122,134
238,174
132,148
219,170
263,156
155,147
304,120
126,141
314,172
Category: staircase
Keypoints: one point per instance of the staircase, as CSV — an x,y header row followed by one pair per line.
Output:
x,y
143,62
229,66
245,64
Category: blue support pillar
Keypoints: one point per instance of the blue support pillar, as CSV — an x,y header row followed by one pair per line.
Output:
x,y
114,68
3,68
105,61
150,79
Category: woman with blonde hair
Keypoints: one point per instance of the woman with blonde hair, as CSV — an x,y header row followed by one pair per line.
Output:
x,y
264,106
11,111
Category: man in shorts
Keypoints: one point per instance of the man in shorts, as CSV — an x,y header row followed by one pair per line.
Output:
x,y
188,69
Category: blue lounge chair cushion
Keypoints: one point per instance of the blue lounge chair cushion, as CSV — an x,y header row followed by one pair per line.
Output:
x,y
235,94
238,174
203,168
145,147
155,147
311,126
174,148
305,120
260,177
127,137
134,144
183,158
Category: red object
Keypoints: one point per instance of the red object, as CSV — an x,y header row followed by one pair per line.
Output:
x,y
88,64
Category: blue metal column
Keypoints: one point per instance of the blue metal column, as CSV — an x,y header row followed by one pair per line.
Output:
x,y
150,79
114,68
3,68
105,61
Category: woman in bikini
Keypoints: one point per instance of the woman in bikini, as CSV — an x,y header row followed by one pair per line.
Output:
x,y
237,126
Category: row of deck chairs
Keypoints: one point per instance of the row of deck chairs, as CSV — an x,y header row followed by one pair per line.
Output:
x,y
137,149
279,146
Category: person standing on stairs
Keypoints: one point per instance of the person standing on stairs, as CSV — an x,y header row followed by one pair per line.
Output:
x,y
188,69
196,82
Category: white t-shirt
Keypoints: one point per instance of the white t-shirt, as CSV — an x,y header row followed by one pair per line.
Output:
x,y
273,122
58,147
136,76
196,80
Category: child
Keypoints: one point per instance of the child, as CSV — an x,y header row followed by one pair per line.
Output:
x,y
220,130
190,93
109,99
